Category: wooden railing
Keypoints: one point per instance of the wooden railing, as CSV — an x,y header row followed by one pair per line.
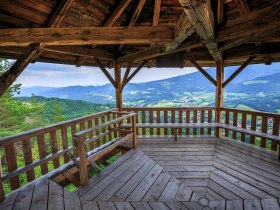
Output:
x,y
257,122
174,115
51,143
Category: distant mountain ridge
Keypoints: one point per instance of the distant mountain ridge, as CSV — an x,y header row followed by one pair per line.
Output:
x,y
186,90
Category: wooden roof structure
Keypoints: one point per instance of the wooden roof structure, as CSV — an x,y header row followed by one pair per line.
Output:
x,y
137,33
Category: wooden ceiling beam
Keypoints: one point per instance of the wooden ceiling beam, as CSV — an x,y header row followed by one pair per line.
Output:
x,y
240,69
127,71
208,76
34,50
201,17
181,32
220,13
82,51
117,13
157,7
105,72
85,35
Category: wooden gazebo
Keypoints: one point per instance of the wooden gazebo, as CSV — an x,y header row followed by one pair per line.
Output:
x,y
215,161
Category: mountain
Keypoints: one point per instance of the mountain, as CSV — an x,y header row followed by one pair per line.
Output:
x,y
187,90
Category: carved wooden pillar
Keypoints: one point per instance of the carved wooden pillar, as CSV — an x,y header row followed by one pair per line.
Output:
x,y
119,102
219,94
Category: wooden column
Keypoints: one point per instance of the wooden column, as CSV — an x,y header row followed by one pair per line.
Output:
x,y
118,81
219,94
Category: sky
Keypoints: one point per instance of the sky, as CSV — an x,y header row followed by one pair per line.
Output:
x,y
58,75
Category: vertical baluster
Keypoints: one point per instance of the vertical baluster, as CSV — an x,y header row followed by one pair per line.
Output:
x,y
137,120
209,121
143,121
42,152
109,127
194,120
235,114
2,195
114,125
275,131
12,164
151,120
187,121
134,138
73,131
104,140
64,143
158,121
173,121
90,135
253,128
180,120
202,113
264,130
27,154
243,125
227,123
96,123
165,121
54,147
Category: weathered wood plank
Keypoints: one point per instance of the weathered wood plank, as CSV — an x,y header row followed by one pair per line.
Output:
x,y
24,197
40,195
55,200
270,204
252,205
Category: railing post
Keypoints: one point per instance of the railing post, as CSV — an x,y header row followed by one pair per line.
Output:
x,y
134,137
81,149
2,195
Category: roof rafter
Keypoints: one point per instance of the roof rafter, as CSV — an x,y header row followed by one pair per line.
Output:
x,y
33,50
220,13
157,6
242,7
105,72
201,17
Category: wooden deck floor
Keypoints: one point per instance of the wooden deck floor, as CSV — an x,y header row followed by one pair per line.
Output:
x,y
199,173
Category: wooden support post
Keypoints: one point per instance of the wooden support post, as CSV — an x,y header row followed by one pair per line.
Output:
x,y
134,137
2,195
80,145
118,87
219,94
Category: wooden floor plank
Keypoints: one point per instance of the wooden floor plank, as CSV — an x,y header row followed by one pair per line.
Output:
x,y
40,195
234,205
71,200
158,206
125,191
184,163
231,187
212,195
256,183
176,205
184,193
195,182
217,205
141,205
188,168
106,205
122,179
270,204
181,157
241,184
89,205
123,206
193,205
94,180
170,190
252,205
9,201
145,184
55,200
100,186
24,197
190,174
223,192
206,153
156,189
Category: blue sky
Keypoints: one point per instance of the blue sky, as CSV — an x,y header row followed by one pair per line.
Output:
x,y
57,75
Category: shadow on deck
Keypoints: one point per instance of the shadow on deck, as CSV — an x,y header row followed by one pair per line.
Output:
x,y
193,173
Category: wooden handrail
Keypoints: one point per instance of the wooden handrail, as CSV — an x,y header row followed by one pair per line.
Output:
x,y
268,114
35,132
